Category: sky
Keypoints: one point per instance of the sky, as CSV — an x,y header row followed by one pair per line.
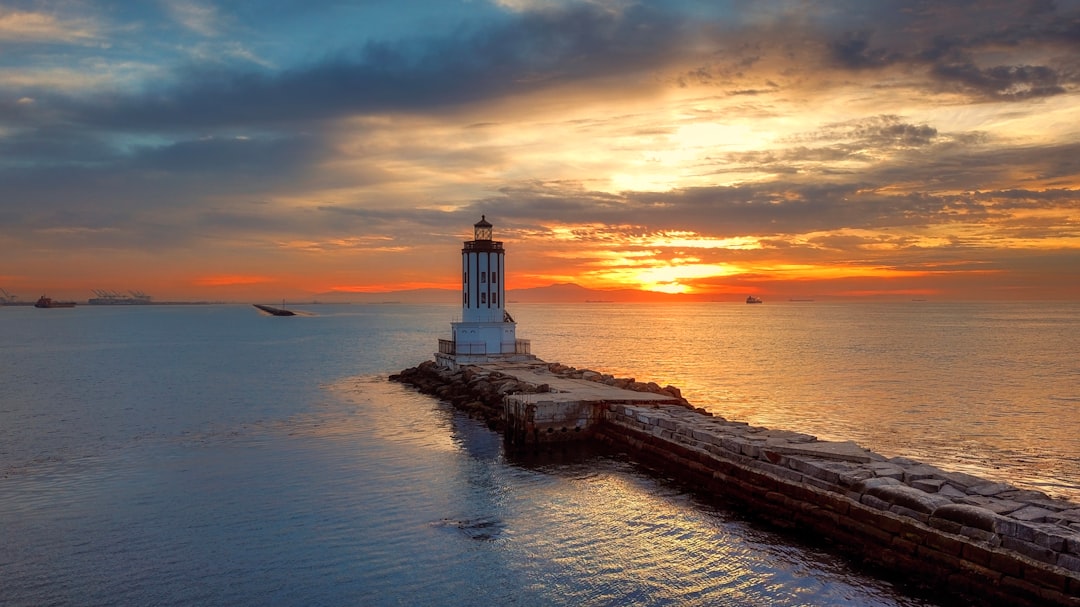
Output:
x,y
232,150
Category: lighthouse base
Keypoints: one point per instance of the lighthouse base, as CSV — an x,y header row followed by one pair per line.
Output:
x,y
456,361
477,343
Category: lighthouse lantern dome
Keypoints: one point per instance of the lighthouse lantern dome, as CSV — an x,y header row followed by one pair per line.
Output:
x,y
482,229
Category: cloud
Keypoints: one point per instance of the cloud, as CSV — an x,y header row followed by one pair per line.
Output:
x,y
32,27
1006,82
195,16
663,132
525,54
853,51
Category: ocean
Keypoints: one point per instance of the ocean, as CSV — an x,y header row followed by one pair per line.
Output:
x,y
213,455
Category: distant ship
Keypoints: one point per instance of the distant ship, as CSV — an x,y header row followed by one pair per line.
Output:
x,y
752,299
112,298
47,302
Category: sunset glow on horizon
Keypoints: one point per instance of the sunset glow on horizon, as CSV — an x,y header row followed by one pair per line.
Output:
x,y
212,150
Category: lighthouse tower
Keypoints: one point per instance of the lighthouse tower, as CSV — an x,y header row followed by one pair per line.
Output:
x,y
486,333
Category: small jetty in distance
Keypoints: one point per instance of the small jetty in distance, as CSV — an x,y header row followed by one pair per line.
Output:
x,y
272,311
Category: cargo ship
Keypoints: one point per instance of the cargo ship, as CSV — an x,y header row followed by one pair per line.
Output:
x,y
47,302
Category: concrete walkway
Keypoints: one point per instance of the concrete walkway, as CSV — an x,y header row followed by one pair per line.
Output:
x,y
566,390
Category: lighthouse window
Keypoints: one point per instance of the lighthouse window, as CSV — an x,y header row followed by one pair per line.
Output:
x,y
483,276
483,298
494,277
494,299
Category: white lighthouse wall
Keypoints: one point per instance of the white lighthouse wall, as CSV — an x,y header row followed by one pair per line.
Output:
x,y
474,338
483,299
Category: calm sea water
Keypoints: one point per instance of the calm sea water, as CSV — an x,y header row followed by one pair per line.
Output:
x,y
211,455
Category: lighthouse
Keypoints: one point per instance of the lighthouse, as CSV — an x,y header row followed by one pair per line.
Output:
x,y
486,332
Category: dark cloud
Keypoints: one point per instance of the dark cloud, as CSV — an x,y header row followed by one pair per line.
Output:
x,y
531,52
1011,83
960,45
244,156
854,51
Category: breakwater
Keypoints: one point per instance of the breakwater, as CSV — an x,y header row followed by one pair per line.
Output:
x,y
955,532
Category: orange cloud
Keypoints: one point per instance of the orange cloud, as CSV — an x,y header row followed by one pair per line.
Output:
x,y
229,280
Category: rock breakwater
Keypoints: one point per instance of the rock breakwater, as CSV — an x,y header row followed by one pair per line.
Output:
x,y
974,538
480,390
969,536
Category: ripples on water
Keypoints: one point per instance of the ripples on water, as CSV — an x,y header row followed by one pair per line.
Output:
x,y
212,456
992,389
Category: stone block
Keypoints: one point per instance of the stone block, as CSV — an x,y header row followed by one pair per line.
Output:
x,y
875,503
887,470
1009,527
1051,537
1033,514
854,478
866,531
1046,577
980,555
989,489
963,480
705,436
929,485
820,484
971,516
1029,549
1069,561
909,497
872,483
1028,496
779,472
836,503
816,469
945,525
1072,543
1005,563
922,517
1056,505
920,472
1019,587
1066,517
732,445
904,545
951,492
940,560
774,457
982,535
945,543
998,506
